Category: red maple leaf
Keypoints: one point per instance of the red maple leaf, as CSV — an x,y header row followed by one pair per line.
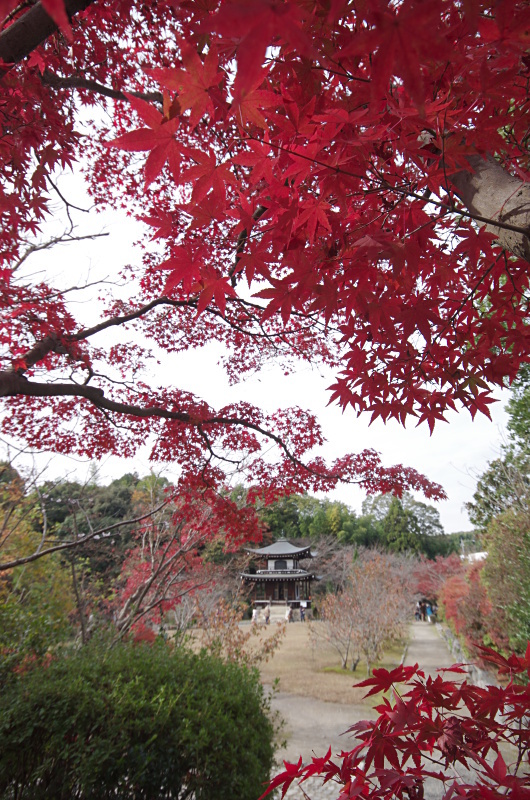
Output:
x,y
159,138
193,81
255,27
207,175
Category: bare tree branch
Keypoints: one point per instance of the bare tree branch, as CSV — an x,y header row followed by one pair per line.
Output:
x,y
35,248
17,562
75,82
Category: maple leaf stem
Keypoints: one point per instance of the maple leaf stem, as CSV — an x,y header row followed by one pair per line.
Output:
x,y
342,73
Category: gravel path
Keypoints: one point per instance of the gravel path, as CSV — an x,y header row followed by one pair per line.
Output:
x,y
313,725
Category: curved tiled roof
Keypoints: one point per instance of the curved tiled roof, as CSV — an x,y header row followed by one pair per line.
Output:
x,y
282,548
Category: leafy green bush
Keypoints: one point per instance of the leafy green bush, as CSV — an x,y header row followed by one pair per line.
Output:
x,y
135,722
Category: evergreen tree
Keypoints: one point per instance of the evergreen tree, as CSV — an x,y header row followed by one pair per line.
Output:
x,y
401,529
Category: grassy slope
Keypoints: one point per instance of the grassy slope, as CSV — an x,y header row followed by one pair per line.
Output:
x,y
315,672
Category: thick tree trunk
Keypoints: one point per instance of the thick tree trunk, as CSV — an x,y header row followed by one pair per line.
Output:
x,y
32,29
493,194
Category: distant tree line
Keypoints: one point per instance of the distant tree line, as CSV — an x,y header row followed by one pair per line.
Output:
x,y
491,604
386,522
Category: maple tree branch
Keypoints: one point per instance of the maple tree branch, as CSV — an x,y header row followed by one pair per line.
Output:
x,y
132,611
13,384
241,242
49,78
30,30
343,73
450,208
67,203
127,625
85,286
75,543
85,333
13,381
162,301
213,454
49,344
35,248
385,185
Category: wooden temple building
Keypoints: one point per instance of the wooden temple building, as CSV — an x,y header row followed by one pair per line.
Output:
x,y
282,581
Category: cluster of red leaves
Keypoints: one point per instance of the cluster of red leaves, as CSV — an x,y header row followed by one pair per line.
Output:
x,y
297,183
166,564
468,608
431,575
317,155
473,742
37,138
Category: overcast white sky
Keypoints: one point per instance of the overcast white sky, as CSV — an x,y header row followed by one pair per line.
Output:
x,y
454,456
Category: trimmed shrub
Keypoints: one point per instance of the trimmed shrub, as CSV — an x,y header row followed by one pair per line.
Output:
x,y
137,721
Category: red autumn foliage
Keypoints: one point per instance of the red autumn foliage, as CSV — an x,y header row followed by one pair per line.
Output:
x,y
469,609
470,742
165,565
430,575
320,185
339,183
454,594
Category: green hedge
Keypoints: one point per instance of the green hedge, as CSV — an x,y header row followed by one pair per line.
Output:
x,y
135,722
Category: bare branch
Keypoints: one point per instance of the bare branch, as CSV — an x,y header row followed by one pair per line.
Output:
x,y
77,542
75,82
66,238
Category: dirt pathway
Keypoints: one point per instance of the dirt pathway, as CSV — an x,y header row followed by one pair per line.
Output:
x,y
312,723
427,648
311,726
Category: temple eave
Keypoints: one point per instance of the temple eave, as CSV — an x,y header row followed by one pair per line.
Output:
x,y
254,577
